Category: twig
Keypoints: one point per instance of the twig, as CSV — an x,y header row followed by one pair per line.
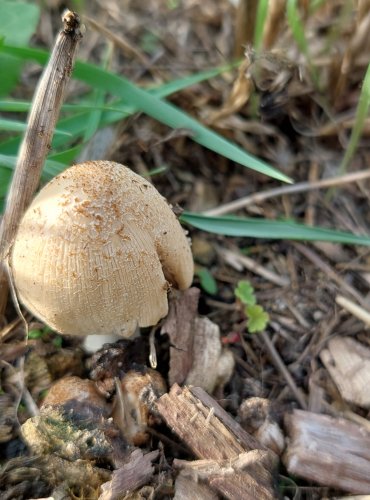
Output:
x,y
296,188
356,310
37,139
243,261
278,362
8,329
312,195
119,41
323,266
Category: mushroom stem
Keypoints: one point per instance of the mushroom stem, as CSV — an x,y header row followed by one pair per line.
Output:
x,y
37,139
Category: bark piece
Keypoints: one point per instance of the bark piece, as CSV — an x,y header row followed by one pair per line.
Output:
x,y
178,325
135,473
330,451
214,436
196,353
247,473
348,363
211,365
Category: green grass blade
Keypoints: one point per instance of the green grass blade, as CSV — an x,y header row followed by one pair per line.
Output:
x,y
260,23
160,110
297,27
187,81
18,22
298,31
112,112
164,90
173,117
51,167
14,106
17,126
5,176
269,229
12,125
67,156
361,115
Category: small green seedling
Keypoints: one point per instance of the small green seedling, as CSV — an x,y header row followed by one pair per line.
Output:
x,y
257,317
42,333
206,280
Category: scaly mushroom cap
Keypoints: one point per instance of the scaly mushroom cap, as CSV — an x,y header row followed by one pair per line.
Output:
x,y
97,250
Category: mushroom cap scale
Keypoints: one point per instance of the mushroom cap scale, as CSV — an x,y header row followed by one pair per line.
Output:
x,y
97,250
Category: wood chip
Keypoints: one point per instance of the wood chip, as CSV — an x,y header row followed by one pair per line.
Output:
x,y
135,473
186,487
217,439
196,354
210,363
329,451
178,326
348,363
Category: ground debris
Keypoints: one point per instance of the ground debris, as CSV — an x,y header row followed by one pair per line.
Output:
x,y
348,363
329,451
197,356
187,487
178,325
258,417
135,473
34,477
219,442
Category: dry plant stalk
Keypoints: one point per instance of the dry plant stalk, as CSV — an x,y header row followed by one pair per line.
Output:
x,y
245,22
274,21
300,187
37,139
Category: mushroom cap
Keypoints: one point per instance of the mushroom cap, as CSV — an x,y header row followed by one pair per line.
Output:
x,y
97,251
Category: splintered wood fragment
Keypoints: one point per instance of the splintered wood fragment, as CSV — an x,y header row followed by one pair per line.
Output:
x,y
239,467
348,363
178,325
217,473
186,487
329,451
196,353
37,139
247,441
135,473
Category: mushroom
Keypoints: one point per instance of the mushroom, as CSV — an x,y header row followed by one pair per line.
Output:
x,y
97,251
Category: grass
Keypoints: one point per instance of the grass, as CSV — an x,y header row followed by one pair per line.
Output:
x,y
261,15
230,225
362,113
299,36
155,106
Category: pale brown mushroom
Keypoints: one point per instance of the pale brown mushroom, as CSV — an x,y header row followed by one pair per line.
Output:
x,y
97,251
